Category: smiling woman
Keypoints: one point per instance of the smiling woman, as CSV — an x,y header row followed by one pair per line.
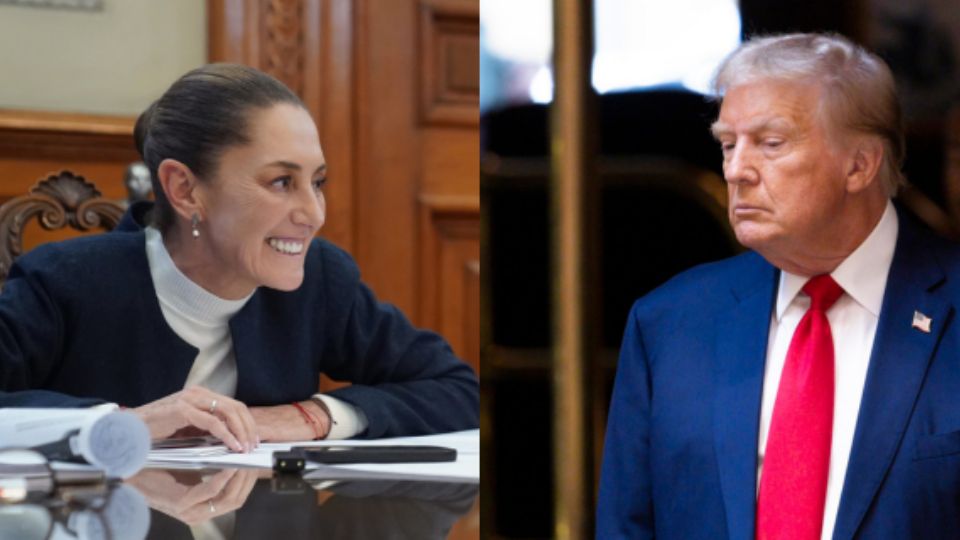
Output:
x,y
215,309
258,210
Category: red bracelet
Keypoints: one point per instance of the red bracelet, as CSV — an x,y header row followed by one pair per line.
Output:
x,y
308,418
326,410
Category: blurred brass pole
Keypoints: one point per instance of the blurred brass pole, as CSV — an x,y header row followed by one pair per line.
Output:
x,y
573,209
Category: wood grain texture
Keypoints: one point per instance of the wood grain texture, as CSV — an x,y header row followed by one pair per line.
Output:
x,y
387,164
329,89
282,40
450,272
39,134
449,62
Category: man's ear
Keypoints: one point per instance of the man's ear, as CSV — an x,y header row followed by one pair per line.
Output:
x,y
864,166
180,186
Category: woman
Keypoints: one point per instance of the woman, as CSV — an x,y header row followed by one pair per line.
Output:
x,y
217,309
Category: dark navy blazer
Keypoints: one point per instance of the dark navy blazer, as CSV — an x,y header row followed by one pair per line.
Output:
x,y
80,324
680,460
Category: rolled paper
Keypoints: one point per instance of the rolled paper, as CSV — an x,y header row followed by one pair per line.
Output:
x,y
115,441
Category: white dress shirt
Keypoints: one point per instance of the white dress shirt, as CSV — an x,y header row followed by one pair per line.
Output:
x,y
853,324
202,319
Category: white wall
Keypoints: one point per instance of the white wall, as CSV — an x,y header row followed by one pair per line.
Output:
x,y
115,61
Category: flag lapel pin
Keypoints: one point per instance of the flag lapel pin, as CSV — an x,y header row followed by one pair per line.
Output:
x,y
921,322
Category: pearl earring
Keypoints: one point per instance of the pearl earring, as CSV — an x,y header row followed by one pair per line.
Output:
x,y
195,226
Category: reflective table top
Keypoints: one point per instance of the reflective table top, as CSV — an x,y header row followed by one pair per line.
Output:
x,y
246,503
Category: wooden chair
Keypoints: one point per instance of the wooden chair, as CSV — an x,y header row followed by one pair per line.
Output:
x,y
58,201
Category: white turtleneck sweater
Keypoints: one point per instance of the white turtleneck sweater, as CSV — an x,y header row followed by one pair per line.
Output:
x,y
202,319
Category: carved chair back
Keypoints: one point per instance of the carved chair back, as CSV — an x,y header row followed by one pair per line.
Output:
x,y
58,201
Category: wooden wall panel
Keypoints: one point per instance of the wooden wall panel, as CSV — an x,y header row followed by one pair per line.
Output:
x,y
448,94
449,62
449,272
333,83
51,135
450,160
387,149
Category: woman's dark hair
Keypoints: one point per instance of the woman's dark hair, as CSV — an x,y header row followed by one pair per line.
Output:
x,y
201,115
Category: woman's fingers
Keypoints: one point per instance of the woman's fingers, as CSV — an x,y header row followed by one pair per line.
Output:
x,y
225,418
213,425
240,422
251,424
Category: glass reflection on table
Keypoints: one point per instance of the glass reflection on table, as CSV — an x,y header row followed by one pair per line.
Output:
x,y
97,512
247,503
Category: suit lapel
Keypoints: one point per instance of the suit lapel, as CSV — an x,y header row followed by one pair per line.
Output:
x,y
741,350
898,364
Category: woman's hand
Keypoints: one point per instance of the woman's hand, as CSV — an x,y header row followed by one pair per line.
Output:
x,y
195,500
196,407
285,423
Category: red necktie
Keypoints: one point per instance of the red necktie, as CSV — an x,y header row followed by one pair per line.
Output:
x,y
793,482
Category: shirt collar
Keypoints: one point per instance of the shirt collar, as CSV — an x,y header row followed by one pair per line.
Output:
x,y
862,275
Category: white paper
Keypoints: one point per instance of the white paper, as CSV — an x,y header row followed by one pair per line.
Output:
x,y
465,469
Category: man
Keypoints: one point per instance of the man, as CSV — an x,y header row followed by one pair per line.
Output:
x,y
809,388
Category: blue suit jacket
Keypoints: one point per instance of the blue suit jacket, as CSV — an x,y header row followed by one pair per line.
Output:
x,y
681,451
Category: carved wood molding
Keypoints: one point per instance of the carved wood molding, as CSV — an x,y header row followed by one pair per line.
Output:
x,y
66,136
60,200
450,62
270,35
282,39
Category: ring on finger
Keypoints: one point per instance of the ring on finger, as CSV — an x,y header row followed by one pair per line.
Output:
x,y
213,406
